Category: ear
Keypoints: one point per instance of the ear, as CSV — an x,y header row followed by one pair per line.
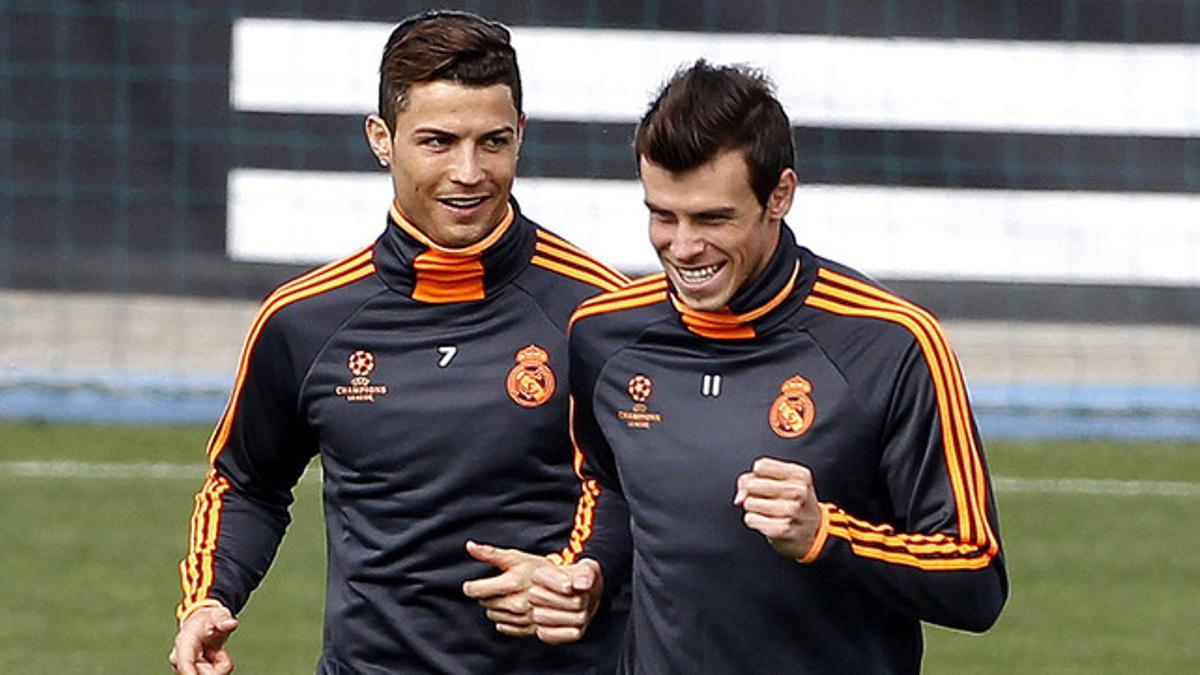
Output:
x,y
520,131
379,138
779,202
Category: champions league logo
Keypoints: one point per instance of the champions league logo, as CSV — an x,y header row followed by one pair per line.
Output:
x,y
361,364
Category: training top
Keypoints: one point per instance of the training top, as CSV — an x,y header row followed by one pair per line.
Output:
x,y
811,363
432,383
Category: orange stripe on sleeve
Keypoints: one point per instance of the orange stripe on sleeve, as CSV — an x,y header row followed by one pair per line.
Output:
x,y
581,531
976,483
950,439
946,369
331,269
573,272
274,303
566,245
637,286
554,247
199,526
910,550
949,361
209,544
964,466
958,394
196,569
639,293
616,305
657,282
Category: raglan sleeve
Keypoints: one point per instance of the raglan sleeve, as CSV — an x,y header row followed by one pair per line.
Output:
x,y
939,558
257,454
601,528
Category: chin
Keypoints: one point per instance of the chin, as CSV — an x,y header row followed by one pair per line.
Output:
x,y
707,303
463,235
711,301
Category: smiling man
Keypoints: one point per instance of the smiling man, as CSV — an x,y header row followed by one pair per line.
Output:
x,y
428,372
778,449
706,263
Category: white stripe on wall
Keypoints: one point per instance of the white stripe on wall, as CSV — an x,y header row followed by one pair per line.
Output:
x,y
609,75
303,217
901,233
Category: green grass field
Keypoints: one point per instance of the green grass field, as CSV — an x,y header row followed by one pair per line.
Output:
x,y
1102,581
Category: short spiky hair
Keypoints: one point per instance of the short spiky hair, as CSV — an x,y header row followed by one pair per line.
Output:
x,y
705,109
445,45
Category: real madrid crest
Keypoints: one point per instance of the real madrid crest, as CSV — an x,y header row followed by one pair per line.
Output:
x,y
792,412
531,382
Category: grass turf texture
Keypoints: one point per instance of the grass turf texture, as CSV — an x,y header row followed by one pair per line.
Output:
x,y
1101,583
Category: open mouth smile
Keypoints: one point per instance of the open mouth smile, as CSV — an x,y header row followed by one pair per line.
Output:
x,y
463,202
698,275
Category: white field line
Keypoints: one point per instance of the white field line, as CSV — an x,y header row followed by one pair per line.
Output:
x,y
1090,486
114,470
111,470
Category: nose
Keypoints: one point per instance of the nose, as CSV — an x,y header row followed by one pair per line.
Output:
x,y
686,242
466,168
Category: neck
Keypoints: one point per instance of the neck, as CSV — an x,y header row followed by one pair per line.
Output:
x,y
471,249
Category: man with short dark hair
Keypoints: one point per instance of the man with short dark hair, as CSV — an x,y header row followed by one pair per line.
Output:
x,y
428,372
780,450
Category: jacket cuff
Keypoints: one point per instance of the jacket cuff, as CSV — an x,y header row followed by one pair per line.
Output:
x,y
818,542
182,613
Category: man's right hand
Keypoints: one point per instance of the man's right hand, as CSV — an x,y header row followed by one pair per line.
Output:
x,y
564,599
199,646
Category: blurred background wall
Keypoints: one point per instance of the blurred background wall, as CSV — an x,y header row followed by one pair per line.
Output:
x,y
1027,169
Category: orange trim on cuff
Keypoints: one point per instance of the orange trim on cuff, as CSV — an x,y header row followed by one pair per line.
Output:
x,y
183,614
818,542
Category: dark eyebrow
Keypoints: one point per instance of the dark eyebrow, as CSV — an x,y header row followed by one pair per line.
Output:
x,y
435,131
725,212
438,131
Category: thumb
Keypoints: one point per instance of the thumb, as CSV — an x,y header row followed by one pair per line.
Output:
x,y
554,578
584,576
504,558
226,626
221,662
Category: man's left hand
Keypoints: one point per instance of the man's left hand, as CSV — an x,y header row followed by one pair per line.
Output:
x,y
780,502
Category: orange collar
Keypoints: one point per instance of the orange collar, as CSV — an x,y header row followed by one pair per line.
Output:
x,y
445,275
723,324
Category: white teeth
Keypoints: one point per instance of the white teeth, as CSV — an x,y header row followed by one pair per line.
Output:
x,y
698,275
464,203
